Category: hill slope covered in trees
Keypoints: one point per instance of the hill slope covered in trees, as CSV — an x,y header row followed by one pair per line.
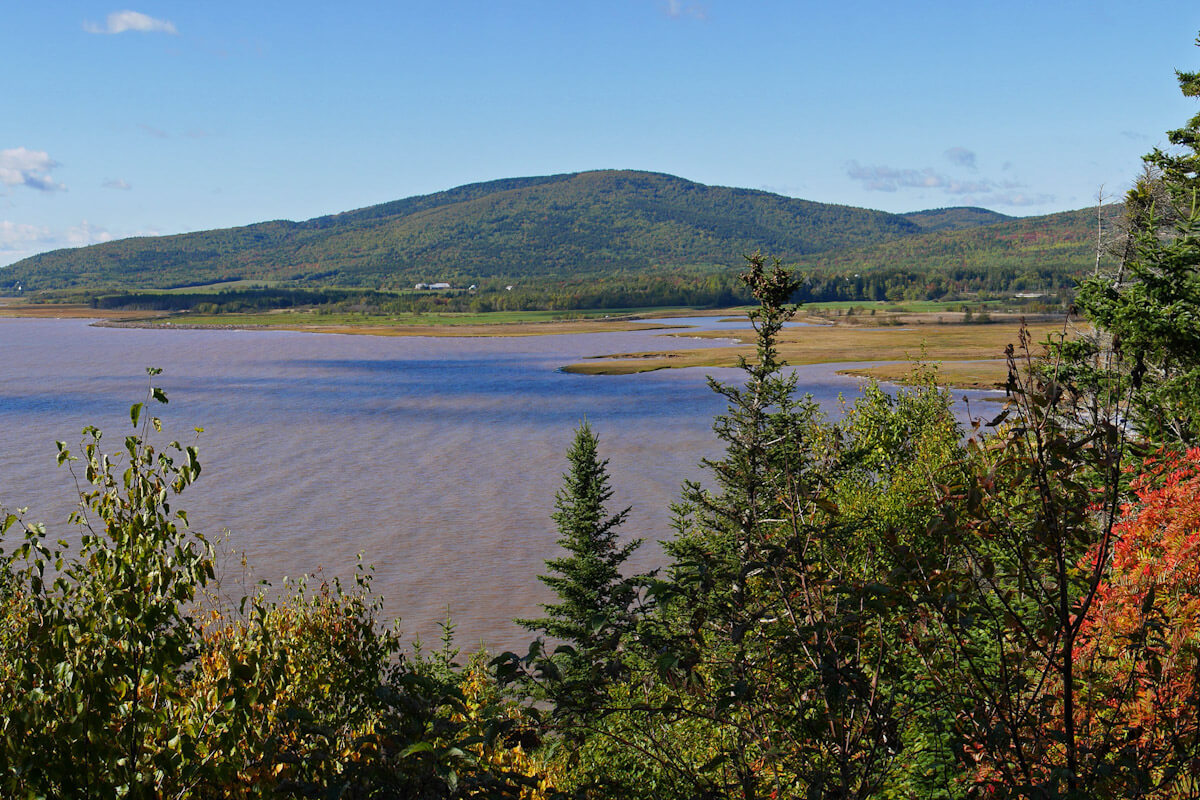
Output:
x,y
611,224
560,225
1043,253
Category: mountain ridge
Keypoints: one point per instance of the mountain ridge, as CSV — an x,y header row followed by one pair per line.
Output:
x,y
565,225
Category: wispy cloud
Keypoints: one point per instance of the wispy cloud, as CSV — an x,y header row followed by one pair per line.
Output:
x,y
16,236
20,240
117,183
126,21
975,191
681,9
890,179
1014,198
157,133
786,189
20,166
961,156
86,233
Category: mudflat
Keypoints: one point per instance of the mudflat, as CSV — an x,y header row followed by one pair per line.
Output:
x,y
968,356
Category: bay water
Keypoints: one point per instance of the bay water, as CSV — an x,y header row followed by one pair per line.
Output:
x,y
436,459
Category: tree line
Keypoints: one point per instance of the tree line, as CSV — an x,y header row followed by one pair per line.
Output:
x,y
698,288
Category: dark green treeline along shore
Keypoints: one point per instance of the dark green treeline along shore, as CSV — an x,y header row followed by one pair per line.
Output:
x,y
603,239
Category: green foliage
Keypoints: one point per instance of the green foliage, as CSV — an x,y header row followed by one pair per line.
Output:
x,y
894,448
769,661
595,607
955,219
122,676
98,645
1003,588
1047,253
1146,311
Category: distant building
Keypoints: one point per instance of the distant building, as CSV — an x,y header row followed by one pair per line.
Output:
x,y
439,286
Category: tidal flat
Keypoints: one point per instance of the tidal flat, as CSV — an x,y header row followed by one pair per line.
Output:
x,y
967,355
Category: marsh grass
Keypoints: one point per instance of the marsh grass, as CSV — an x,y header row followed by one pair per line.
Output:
x,y
829,344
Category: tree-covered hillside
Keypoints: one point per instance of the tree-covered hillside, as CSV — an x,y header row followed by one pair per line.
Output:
x,y
1042,254
585,240
953,219
561,226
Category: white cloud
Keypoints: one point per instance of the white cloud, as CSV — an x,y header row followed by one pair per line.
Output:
x,y
85,233
15,236
117,183
124,21
20,240
785,189
20,166
1014,199
879,178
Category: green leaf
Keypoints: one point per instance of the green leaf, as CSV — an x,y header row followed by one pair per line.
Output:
x,y
415,748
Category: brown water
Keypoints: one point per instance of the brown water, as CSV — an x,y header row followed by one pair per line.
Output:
x,y
437,459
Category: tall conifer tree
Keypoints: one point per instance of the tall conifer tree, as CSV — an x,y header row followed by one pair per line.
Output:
x,y
595,601
1147,310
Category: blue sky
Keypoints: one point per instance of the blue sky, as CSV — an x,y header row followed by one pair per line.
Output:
x,y
164,117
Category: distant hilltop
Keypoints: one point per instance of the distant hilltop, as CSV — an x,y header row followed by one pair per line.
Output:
x,y
550,227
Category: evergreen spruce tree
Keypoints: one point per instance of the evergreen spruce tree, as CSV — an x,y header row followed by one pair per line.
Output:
x,y
1146,311
763,428
771,626
595,601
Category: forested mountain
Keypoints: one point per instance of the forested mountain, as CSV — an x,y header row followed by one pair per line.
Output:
x,y
953,219
1043,253
560,225
589,239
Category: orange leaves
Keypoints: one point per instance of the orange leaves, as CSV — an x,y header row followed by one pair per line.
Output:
x,y
1156,559
1140,647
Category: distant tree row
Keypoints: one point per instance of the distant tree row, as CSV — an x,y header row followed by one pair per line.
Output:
x,y
708,287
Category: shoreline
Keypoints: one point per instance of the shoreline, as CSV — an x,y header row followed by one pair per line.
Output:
x,y
966,356
464,330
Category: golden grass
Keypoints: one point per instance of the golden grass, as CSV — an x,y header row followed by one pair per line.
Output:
x,y
503,329
958,374
65,311
839,344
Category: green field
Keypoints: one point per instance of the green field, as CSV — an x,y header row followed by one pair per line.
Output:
x,y
221,286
